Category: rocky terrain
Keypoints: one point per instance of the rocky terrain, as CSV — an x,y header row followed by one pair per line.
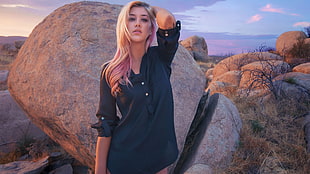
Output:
x,y
231,113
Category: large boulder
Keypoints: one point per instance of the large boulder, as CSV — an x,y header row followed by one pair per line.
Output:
x,y
186,74
303,68
16,128
55,77
197,46
215,138
287,40
235,62
222,133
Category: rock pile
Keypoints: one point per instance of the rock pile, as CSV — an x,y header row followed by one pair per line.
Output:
x,y
257,73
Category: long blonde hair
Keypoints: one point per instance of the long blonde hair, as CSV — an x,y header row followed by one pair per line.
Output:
x,y
118,70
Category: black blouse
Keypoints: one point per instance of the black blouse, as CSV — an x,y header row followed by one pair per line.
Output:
x,y
144,141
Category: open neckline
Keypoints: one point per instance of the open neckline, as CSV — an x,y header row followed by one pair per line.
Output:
x,y
133,73
141,65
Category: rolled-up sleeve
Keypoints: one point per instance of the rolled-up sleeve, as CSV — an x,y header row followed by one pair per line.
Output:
x,y
106,114
168,42
107,102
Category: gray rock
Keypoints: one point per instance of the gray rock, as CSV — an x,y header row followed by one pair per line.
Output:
x,y
293,85
24,167
213,136
188,86
223,125
65,169
15,125
3,75
197,46
199,169
55,77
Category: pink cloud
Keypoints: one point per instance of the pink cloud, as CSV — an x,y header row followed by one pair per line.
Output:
x,y
268,8
294,14
302,24
255,18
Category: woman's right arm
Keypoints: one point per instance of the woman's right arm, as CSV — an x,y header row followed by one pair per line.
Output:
x,y
102,150
107,120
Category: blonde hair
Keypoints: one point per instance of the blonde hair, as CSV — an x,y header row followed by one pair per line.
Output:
x,y
118,70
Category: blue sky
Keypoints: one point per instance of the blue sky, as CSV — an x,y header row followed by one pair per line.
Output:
x,y
228,26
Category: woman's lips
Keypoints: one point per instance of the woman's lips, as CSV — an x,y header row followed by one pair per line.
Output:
x,y
137,31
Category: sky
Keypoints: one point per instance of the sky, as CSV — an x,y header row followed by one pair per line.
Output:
x,y
228,26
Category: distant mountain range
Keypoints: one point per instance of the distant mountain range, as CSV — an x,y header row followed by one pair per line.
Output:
x,y
11,39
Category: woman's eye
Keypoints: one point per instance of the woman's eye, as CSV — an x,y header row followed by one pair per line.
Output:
x,y
145,20
131,19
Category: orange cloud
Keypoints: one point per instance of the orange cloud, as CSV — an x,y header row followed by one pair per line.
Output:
x,y
255,18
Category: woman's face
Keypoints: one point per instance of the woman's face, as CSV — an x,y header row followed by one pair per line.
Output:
x,y
139,25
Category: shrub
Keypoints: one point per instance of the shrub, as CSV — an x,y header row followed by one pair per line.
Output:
x,y
307,31
290,80
256,126
300,50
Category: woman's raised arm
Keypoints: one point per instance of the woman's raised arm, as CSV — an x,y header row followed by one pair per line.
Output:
x,y
165,19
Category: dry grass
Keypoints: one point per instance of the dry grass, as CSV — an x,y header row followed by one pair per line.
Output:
x,y
31,149
272,138
210,63
21,149
205,65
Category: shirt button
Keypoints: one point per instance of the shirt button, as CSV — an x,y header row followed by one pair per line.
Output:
x,y
166,33
147,94
142,83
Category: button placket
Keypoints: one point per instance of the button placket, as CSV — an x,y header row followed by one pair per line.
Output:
x,y
147,97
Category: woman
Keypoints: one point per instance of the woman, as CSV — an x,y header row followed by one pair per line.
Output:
x,y
137,81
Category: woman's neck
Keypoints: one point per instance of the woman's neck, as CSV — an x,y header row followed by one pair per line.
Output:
x,y
137,52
